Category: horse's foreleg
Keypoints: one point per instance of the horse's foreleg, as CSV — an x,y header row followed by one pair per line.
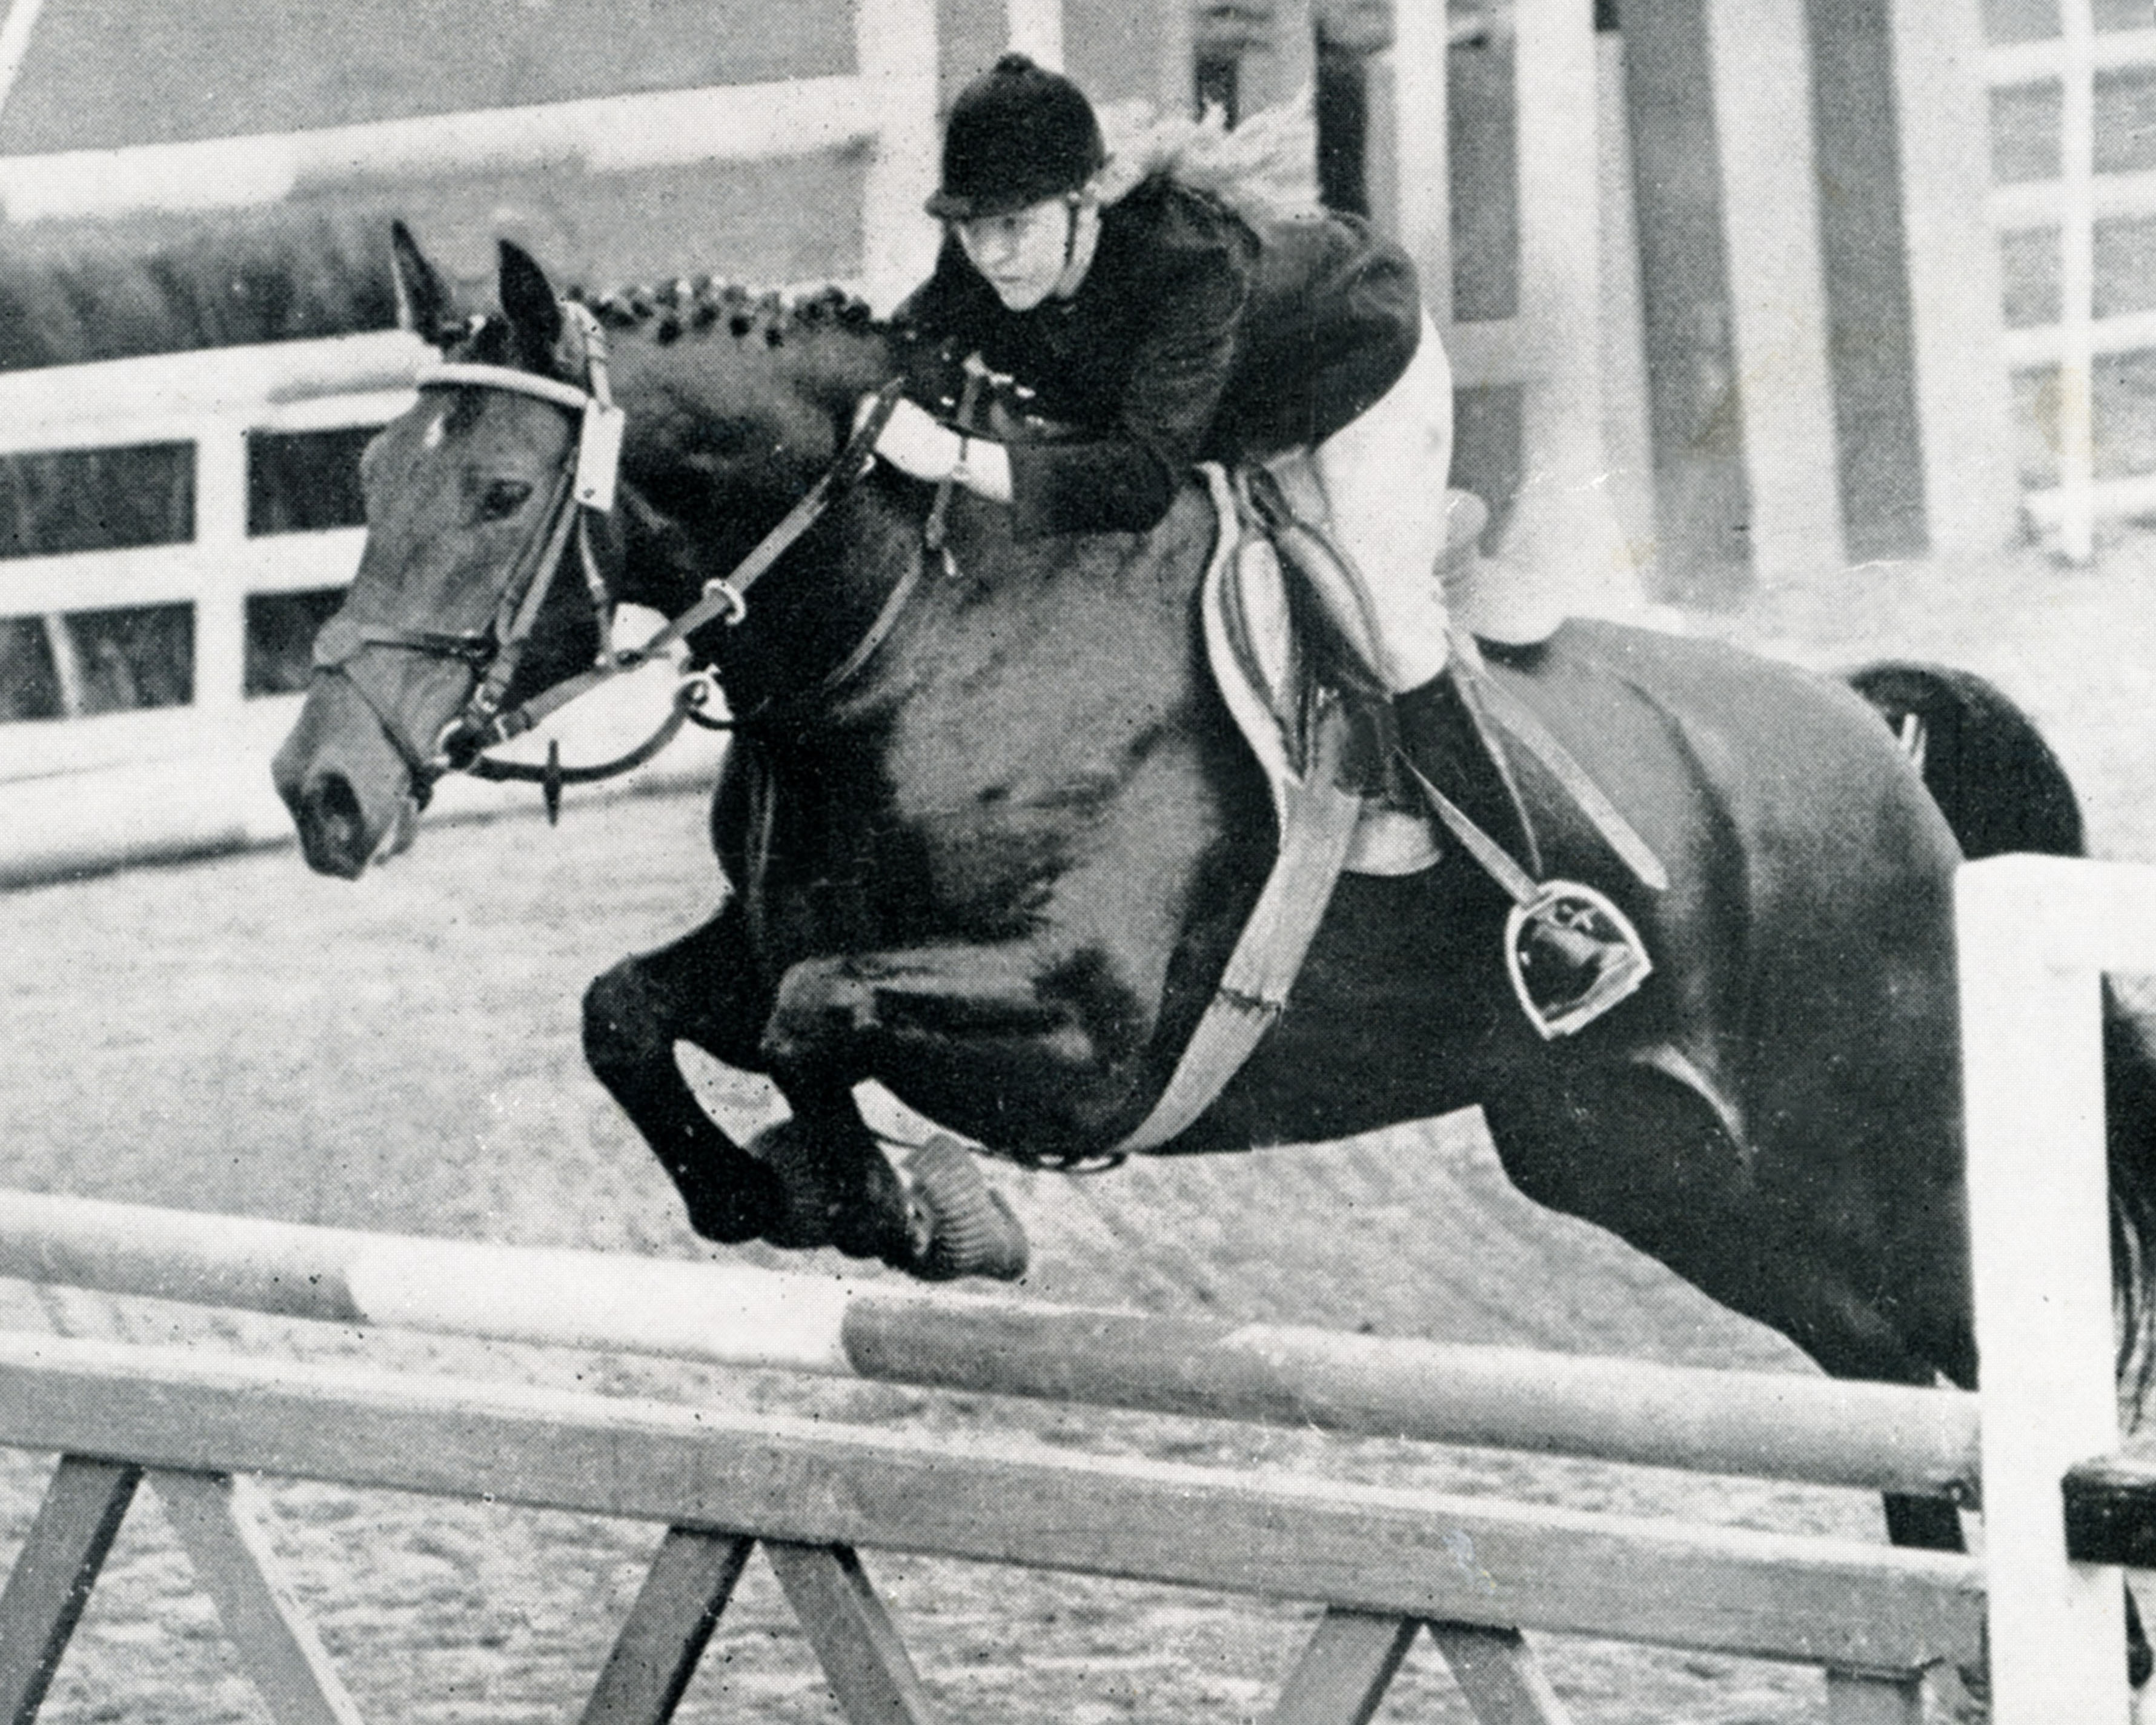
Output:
x,y
702,989
819,1178
1018,1023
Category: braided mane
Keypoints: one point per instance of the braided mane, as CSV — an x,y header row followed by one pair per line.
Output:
x,y
671,310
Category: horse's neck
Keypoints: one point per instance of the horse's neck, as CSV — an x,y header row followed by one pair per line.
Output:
x,y
804,614
811,612
726,430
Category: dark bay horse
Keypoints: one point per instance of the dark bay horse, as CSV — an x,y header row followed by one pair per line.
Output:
x,y
990,846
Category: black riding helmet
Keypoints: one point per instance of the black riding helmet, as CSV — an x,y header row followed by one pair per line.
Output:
x,y
1018,134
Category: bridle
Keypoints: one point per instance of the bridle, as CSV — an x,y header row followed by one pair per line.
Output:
x,y
584,488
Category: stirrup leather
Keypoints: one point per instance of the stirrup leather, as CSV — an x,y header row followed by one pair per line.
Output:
x,y
1554,911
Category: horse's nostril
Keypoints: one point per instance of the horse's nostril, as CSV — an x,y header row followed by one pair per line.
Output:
x,y
332,830
331,797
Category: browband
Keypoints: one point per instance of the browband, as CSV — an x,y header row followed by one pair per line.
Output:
x,y
599,435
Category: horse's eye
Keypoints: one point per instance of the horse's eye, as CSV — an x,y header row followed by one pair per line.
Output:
x,y
503,498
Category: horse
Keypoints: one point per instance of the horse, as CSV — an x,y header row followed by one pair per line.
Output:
x,y
991,836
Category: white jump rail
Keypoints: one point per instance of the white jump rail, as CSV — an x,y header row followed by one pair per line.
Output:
x,y
2036,934
1762,1425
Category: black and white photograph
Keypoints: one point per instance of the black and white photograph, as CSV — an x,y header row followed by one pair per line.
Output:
x,y
1077,862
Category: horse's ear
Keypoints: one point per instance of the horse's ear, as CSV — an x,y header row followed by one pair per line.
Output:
x,y
423,304
528,301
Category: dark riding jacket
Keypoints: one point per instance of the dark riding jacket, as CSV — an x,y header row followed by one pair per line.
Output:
x,y
1191,337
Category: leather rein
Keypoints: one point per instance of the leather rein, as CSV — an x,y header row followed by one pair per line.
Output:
x,y
585,487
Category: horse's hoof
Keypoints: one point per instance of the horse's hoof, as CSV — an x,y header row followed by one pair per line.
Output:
x,y
833,1194
963,1226
744,1209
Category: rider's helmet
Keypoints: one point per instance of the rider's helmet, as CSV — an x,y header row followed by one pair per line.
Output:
x,y
1018,134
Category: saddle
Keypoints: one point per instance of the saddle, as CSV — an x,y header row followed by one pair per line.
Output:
x,y
1287,670
1321,730
1279,655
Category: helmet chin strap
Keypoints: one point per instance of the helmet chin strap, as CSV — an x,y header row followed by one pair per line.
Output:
x,y
1066,281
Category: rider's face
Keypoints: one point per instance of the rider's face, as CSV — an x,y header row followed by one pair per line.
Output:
x,y
1022,254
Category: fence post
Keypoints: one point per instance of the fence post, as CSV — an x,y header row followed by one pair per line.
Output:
x,y
1964,404
1762,93
220,545
1421,217
2077,400
1563,523
896,47
2033,932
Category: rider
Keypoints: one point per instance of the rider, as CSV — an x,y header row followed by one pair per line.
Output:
x,y
1139,322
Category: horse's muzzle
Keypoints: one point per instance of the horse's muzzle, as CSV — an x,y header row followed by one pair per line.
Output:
x,y
351,794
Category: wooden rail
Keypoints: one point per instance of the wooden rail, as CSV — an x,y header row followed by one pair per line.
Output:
x,y
1762,1425
1385,1563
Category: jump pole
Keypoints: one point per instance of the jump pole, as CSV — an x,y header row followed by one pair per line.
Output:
x,y
1757,1423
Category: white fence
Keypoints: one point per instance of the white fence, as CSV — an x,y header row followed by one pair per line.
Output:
x,y
214,403
86,792
2075,202
90,792
140,799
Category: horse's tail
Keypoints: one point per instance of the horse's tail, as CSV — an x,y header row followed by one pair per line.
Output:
x,y
2002,790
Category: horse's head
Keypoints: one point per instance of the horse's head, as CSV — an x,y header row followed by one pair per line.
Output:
x,y
470,592
486,580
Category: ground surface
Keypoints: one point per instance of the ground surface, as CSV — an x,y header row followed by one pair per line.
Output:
x,y
402,1054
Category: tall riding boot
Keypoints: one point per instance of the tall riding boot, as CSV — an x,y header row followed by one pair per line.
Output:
x,y
1573,953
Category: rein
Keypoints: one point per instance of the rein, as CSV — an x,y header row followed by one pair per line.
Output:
x,y
585,487
725,600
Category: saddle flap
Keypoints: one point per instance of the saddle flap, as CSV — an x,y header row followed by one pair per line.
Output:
x,y
1258,644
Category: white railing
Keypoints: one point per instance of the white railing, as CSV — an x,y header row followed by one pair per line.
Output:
x,y
2075,202
213,403
85,792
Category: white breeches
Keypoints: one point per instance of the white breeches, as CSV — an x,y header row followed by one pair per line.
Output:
x,y
1384,476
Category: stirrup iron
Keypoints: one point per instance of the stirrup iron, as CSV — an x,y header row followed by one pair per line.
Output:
x,y
1555,909
1547,909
